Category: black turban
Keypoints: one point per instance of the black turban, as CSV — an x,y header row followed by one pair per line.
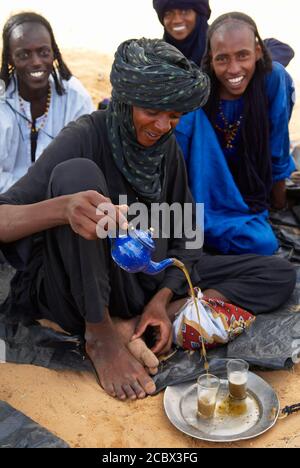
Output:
x,y
200,6
151,74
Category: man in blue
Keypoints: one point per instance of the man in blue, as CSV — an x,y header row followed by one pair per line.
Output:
x,y
237,147
185,25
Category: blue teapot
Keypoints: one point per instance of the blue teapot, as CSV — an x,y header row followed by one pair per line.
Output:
x,y
132,252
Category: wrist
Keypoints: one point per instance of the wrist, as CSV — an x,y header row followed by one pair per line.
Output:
x,y
164,296
64,203
278,195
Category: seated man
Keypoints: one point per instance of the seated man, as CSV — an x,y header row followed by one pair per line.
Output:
x,y
237,148
41,95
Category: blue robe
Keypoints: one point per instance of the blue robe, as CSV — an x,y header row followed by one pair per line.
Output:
x,y
230,226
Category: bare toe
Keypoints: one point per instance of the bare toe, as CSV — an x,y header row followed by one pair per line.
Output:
x,y
119,392
139,391
149,386
131,394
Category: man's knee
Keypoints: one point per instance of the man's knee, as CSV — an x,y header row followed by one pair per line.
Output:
x,y
251,242
285,273
266,246
76,175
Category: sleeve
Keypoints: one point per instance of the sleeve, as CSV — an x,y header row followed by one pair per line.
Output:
x,y
74,141
281,97
79,101
8,149
280,52
185,245
184,133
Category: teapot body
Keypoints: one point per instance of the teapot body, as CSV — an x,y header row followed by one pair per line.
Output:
x,y
130,254
133,253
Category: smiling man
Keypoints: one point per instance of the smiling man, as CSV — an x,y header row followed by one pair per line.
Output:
x,y
237,148
185,25
180,23
41,95
234,54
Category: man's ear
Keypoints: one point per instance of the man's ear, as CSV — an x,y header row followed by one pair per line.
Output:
x,y
258,52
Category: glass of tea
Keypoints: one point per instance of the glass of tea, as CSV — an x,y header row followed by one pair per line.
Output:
x,y
237,374
207,391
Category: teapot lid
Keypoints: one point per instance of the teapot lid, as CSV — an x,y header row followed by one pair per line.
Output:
x,y
145,237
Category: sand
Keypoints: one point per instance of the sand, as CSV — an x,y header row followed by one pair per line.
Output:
x,y
75,408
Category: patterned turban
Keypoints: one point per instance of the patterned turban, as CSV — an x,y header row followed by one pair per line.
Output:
x,y
150,73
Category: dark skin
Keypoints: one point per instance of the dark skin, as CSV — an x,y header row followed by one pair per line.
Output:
x,y
278,195
233,57
120,371
180,23
32,56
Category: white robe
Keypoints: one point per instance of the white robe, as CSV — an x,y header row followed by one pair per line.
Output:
x,y
15,145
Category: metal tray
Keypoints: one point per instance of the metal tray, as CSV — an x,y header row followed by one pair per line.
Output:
x,y
233,421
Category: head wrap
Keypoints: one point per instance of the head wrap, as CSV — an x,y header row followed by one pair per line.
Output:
x,y
200,6
150,74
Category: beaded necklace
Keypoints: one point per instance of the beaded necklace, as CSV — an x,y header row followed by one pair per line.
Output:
x,y
34,130
229,131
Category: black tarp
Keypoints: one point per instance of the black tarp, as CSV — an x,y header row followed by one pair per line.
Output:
x,y
269,343
18,431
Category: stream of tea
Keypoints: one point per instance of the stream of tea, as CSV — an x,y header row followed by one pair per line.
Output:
x,y
183,268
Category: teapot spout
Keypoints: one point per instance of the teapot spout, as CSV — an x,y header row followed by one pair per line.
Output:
x,y
153,268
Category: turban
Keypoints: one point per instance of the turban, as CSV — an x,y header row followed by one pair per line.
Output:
x,y
200,6
150,73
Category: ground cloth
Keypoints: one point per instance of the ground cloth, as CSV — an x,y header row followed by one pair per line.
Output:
x,y
18,431
270,343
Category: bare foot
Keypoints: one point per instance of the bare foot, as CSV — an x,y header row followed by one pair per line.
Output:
x,y
120,374
144,355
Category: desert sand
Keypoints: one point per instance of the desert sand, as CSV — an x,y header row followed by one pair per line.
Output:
x,y
72,405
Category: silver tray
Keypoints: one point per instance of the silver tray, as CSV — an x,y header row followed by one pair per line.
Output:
x,y
233,421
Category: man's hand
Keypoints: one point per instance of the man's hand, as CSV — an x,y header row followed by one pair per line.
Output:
x,y
155,315
278,195
83,213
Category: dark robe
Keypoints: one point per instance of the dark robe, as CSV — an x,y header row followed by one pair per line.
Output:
x,y
70,280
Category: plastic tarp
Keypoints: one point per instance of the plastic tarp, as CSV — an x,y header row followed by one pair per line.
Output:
x,y
18,431
269,343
